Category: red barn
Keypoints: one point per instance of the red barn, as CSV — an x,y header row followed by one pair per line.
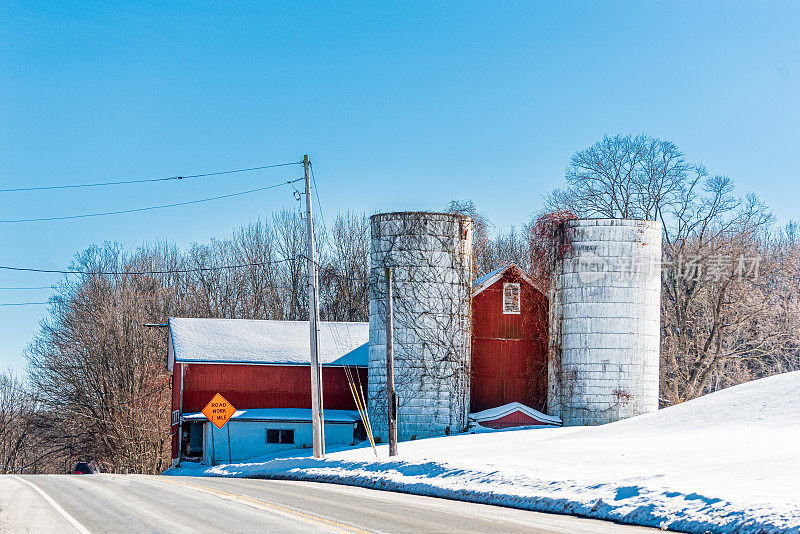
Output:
x,y
509,344
262,368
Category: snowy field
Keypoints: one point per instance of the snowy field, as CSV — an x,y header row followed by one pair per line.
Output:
x,y
727,462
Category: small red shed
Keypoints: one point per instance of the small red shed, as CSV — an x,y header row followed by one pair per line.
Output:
x,y
509,341
511,415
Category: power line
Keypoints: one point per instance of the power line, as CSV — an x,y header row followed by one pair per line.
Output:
x,y
316,192
63,404
330,271
162,206
123,182
278,286
343,277
24,288
260,286
145,273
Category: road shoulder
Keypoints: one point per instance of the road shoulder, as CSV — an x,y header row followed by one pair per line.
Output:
x,y
24,509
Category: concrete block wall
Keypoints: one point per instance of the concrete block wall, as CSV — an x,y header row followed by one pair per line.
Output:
x,y
431,258
605,322
248,439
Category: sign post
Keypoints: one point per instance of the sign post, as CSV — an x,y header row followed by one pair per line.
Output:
x,y
213,448
230,455
219,411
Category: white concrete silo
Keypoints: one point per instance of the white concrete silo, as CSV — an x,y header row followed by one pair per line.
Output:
x,y
605,322
431,258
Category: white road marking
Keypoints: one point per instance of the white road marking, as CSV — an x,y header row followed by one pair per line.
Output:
x,y
71,520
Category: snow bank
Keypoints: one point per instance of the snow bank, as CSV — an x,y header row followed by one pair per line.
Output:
x,y
728,462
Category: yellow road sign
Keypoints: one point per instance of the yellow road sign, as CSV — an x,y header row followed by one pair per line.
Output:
x,y
219,411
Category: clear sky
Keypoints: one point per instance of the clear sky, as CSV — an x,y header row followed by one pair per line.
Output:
x,y
401,105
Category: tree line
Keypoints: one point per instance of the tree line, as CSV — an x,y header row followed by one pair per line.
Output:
x,y
96,385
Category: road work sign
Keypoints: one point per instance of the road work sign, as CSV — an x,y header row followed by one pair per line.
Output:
x,y
219,411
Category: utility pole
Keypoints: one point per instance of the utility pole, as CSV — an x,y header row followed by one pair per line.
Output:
x,y
391,398
317,419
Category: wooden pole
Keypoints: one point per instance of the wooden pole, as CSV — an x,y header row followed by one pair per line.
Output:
x,y
317,420
391,398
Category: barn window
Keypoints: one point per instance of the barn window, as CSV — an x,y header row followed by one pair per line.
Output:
x,y
275,435
510,298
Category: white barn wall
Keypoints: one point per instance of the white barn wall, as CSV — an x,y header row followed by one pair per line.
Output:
x,y
248,439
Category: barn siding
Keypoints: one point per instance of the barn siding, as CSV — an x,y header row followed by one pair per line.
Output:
x,y
265,386
258,386
509,351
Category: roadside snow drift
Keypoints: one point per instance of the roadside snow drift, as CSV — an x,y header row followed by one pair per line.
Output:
x,y
727,462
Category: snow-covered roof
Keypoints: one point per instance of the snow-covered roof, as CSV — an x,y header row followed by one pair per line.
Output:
x,y
265,342
283,415
501,411
490,278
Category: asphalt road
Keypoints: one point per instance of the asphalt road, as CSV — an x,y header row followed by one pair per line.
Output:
x,y
136,503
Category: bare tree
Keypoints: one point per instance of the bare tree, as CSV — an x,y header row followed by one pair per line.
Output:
x,y
260,286
291,246
344,277
624,177
484,252
99,373
17,424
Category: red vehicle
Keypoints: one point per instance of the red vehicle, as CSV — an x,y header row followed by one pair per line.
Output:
x,y
83,468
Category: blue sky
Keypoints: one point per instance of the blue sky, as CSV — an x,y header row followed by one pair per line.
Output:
x,y
401,105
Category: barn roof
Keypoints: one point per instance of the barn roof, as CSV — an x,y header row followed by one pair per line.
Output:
x,y
490,278
246,341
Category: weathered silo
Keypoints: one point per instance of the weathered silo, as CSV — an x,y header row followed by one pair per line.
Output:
x,y
431,257
604,321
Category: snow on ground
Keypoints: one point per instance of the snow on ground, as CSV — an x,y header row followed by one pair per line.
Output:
x,y
727,462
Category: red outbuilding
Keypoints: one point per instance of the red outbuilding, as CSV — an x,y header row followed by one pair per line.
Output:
x,y
509,342
511,415
262,368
